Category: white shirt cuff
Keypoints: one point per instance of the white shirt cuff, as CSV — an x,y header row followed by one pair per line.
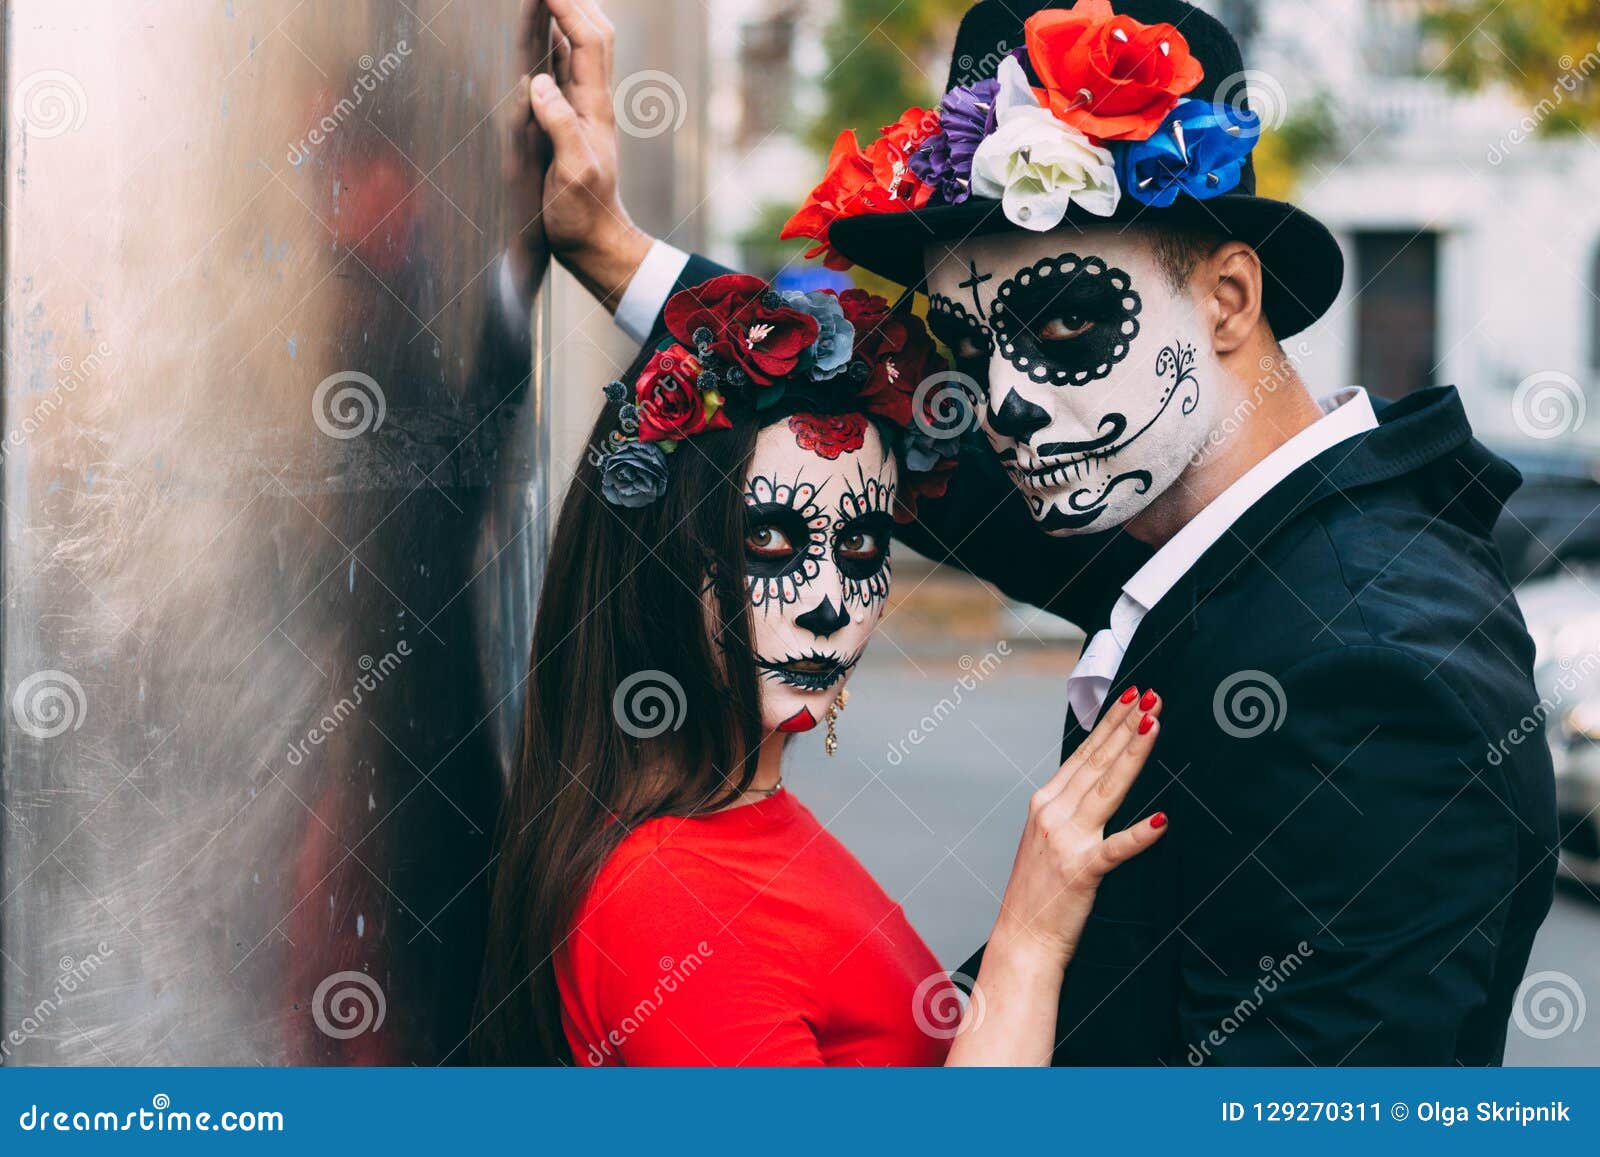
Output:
x,y
647,293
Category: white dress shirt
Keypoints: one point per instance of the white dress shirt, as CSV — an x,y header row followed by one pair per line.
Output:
x,y
1345,414
646,295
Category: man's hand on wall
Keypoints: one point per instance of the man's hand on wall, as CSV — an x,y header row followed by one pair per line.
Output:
x,y
572,127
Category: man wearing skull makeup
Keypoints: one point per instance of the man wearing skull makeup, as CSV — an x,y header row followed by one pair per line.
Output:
x,y
1358,862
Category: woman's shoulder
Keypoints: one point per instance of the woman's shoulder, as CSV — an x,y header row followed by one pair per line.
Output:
x,y
716,863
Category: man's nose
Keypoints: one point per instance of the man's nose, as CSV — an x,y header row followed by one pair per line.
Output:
x,y
824,619
1017,418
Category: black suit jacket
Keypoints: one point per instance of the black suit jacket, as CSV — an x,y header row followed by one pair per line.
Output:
x,y
1362,830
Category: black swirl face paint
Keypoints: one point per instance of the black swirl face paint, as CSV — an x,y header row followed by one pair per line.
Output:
x,y
965,335
1097,369
1065,320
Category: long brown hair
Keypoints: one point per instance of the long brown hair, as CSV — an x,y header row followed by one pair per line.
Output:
x,y
626,592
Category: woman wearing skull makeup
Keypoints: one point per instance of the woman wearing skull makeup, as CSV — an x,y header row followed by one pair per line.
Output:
x,y
718,567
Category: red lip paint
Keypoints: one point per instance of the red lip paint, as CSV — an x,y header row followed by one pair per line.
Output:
x,y
801,720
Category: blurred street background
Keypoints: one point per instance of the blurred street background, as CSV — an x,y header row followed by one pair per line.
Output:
x,y
1452,145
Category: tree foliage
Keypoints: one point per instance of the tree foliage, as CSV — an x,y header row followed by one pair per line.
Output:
x,y
1547,51
883,56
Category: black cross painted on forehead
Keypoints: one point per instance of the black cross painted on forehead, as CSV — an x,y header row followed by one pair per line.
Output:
x,y
973,282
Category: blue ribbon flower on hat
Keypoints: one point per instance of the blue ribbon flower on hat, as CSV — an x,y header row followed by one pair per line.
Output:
x,y
1199,149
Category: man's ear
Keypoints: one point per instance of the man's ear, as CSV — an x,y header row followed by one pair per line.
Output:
x,y
1231,279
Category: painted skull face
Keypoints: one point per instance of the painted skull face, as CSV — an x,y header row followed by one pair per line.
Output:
x,y
1093,398
819,510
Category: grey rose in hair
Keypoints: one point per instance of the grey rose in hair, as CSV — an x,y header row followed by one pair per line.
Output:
x,y
923,452
634,475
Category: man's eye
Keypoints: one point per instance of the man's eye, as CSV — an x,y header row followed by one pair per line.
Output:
x,y
767,542
1064,328
860,546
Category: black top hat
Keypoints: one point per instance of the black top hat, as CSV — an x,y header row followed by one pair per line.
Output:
x,y
1302,264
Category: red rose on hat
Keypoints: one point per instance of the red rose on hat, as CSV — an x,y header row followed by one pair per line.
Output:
x,y
914,126
670,402
750,326
1108,76
876,179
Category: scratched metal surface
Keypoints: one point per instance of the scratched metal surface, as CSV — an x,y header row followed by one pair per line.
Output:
x,y
260,648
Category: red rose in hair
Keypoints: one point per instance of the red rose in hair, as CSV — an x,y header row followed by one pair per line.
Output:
x,y
829,434
1108,76
876,179
930,484
899,354
671,405
762,339
863,310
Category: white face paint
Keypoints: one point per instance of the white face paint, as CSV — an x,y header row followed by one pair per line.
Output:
x,y
1100,378
819,509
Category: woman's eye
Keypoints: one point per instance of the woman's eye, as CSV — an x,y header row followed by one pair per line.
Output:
x,y
967,350
1064,328
859,546
767,542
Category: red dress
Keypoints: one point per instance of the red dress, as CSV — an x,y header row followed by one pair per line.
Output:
x,y
747,937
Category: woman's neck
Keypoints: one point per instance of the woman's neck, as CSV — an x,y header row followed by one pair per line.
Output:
x,y
769,763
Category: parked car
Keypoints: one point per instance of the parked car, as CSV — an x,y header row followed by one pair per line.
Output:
x,y
1549,537
1553,519
1563,615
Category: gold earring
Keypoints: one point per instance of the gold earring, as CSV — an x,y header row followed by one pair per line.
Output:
x,y
840,702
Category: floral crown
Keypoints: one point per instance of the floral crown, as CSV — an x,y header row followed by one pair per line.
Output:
x,y
1110,118
737,344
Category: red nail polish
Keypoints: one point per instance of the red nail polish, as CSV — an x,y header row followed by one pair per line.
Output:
x,y
1159,820
1127,696
1146,724
1148,701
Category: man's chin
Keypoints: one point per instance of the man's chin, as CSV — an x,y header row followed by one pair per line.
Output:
x,y
1062,513
1059,523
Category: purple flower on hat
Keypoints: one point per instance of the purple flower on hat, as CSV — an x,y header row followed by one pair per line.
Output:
x,y
1199,149
966,116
